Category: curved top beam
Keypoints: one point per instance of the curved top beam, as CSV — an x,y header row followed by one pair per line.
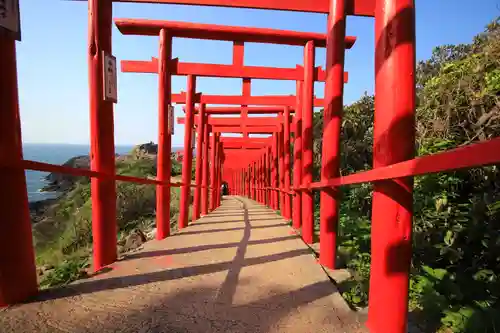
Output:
x,y
353,7
223,32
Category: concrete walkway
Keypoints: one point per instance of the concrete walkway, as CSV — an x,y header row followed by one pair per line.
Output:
x,y
239,269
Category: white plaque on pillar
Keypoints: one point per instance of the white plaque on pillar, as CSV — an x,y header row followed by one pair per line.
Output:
x,y
171,119
10,18
110,78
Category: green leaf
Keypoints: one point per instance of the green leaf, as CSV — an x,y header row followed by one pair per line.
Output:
x,y
485,275
449,238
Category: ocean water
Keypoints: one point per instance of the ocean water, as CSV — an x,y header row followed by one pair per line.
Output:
x,y
54,154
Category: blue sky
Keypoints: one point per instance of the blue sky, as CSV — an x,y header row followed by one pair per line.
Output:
x,y
52,64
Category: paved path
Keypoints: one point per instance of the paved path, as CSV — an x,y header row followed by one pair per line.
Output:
x,y
239,269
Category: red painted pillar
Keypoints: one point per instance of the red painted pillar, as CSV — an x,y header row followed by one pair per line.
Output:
x,y
258,178
187,162
393,139
250,185
281,178
242,182
217,173
273,173
164,138
297,159
199,160
307,144
102,146
264,176
213,144
221,164
249,173
254,180
206,168
332,120
264,198
286,135
270,175
276,173
18,280
236,182
256,169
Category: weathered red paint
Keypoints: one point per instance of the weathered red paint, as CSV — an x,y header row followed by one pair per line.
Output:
x,y
198,173
206,167
18,280
164,139
393,140
307,144
297,158
102,146
332,120
188,154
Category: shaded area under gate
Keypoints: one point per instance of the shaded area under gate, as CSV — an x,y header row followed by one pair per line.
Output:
x,y
239,269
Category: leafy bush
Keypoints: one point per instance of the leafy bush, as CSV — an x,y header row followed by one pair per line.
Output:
x,y
67,271
455,272
66,237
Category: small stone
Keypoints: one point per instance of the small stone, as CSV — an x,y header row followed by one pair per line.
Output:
x,y
134,240
152,234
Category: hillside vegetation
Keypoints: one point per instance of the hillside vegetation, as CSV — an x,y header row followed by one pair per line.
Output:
x,y
63,233
455,272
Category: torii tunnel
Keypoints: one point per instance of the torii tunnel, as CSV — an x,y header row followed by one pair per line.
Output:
x,y
259,167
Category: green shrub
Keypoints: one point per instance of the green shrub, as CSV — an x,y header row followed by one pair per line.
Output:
x,y
69,270
454,285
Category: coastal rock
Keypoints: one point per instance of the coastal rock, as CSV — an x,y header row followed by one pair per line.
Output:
x,y
44,270
151,234
134,240
39,209
61,182
145,150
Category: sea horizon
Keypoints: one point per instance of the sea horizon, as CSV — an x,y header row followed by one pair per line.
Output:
x,y
56,153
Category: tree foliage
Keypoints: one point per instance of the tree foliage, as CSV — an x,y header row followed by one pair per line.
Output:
x,y
456,229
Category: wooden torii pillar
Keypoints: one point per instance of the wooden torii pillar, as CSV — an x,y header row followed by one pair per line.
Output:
x,y
200,119
206,167
18,279
392,211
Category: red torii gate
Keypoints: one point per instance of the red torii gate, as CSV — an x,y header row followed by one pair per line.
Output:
x,y
237,35
268,125
234,110
393,157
